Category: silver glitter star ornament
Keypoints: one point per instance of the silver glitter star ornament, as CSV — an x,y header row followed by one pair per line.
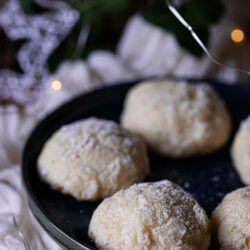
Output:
x,y
43,32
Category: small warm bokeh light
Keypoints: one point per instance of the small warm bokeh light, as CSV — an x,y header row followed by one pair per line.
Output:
x,y
237,35
56,85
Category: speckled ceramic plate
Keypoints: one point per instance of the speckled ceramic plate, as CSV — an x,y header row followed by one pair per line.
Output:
x,y
208,178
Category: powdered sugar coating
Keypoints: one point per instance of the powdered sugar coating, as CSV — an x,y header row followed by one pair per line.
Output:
x,y
157,215
177,119
241,151
245,123
231,221
92,159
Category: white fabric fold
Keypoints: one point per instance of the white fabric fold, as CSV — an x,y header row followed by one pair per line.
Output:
x,y
18,228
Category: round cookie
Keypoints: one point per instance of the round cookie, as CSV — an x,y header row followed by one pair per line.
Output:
x,y
241,151
158,215
92,159
177,119
231,221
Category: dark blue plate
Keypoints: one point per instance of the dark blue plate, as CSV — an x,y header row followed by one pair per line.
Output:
x,y
208,178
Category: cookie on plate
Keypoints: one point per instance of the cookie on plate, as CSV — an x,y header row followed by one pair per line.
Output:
x,y
241,151
177,119
231,221
92,159
158,215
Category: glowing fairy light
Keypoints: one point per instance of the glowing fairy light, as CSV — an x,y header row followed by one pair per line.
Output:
x,y
56,85
237,35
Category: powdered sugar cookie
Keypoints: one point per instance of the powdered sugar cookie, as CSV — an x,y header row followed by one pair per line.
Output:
x,y
177,119
92,159
241,151
231,221
158,215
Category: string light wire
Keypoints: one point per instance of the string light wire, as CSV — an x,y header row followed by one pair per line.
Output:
x,y
198,40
